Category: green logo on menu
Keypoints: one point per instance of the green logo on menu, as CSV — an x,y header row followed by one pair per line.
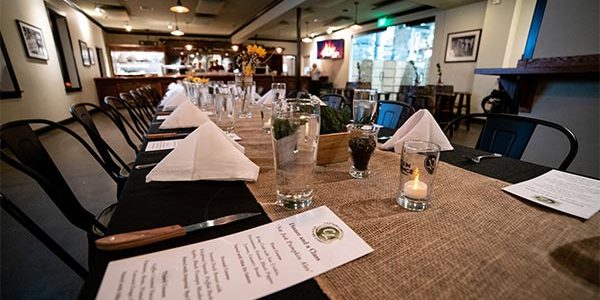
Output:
x,y
327,233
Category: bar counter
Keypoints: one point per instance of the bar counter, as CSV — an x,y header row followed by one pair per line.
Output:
x,y
112,86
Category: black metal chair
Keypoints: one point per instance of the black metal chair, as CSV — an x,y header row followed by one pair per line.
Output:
x,y
15,212
141,126
137,107
143,102
392,114
109,156
28,155
509,134
334,101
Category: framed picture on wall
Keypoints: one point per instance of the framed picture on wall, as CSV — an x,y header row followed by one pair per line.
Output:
x,y
33,41
85,53
9,86
92,55
462,46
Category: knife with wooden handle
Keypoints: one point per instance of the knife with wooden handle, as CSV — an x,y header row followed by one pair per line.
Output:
x,y
153,136
149,236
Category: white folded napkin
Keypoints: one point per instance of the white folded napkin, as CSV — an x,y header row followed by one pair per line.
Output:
x,y
420,126
266,99
313,97
171,85
173,101
186,115
206,154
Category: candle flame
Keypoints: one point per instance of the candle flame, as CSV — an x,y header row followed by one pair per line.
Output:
x,y
416,180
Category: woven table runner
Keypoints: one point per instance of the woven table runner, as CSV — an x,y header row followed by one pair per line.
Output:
x,y
475,241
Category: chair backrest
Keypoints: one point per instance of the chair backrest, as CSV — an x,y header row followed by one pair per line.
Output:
x,y
509,134
334,101
298,94
140,125
135,108
143,102
392,114
122,123
15,212
112,160
31,158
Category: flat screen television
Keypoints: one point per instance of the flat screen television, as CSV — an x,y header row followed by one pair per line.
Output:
x,y
330,49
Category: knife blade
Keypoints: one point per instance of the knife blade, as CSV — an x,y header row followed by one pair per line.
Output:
x,y
138,238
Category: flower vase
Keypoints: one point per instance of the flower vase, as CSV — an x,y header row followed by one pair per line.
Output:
x,y
246,97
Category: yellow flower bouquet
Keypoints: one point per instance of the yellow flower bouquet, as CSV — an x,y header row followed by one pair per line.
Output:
x,y
250,58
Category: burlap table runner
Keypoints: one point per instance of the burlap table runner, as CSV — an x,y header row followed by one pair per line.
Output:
x,y
475,241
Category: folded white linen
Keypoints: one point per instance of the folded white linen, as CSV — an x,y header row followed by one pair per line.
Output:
x,y
171,85
205,154
172,90
172,102
266,99
313,97
186,115
420,126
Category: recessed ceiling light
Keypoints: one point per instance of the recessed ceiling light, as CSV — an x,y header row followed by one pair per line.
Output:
x,y
235,48
189,47
128,28
279,50
330,30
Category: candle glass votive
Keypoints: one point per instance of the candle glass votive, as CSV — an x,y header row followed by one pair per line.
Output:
x,y
417,171
361,145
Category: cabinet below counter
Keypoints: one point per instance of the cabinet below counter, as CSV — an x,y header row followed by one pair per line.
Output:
x,y
112,86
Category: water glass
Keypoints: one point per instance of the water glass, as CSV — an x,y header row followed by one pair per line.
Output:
x,y
295,137
278,92
361,145
204,98
417,171
364,105
224,111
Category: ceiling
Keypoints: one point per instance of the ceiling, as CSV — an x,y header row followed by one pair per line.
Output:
x,y
223,18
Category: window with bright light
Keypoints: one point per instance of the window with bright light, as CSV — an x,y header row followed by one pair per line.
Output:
x,y
383,57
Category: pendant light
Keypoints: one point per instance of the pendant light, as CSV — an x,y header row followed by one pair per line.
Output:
x,y
179,8
355,26
177,32
307,38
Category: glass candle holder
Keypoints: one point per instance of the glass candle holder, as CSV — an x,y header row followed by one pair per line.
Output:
x,y
361,145
417,171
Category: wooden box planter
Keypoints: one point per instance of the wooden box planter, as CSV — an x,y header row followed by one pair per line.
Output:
x,y
333,148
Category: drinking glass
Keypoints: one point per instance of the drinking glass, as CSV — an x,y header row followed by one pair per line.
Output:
x,y
295,137
364,104
224,111
204,98
417,171
278,92
362,143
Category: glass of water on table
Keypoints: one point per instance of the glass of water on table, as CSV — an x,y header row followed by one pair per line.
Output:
x,y
364,105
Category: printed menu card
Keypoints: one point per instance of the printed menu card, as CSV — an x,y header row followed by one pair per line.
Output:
x,y
244,265
570,193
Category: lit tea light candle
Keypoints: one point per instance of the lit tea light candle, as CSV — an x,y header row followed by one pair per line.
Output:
x,y
414,188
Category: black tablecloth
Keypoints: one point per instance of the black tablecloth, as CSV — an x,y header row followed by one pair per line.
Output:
x,y
148,205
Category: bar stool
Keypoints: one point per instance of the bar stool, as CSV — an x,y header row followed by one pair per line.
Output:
x,y
464,101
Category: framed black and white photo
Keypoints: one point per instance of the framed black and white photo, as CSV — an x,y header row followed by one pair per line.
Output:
x,y
462,46
9,86
33,41
92,55
85,53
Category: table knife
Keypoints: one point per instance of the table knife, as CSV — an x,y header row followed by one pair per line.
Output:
x,y
149,236
152,136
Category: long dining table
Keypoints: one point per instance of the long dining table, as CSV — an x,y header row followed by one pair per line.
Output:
x,y
475,241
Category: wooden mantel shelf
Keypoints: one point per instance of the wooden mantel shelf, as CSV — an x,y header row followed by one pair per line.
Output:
x,y
520,82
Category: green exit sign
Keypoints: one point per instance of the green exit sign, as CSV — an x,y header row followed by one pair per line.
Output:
x,y
384,22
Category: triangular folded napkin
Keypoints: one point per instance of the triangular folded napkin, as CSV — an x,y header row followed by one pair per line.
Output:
x,y
266,99
315,98
206,154
186,115
174,100
420,126
171,85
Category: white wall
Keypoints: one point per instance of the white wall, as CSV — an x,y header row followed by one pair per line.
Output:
x,y
44,94
569,28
